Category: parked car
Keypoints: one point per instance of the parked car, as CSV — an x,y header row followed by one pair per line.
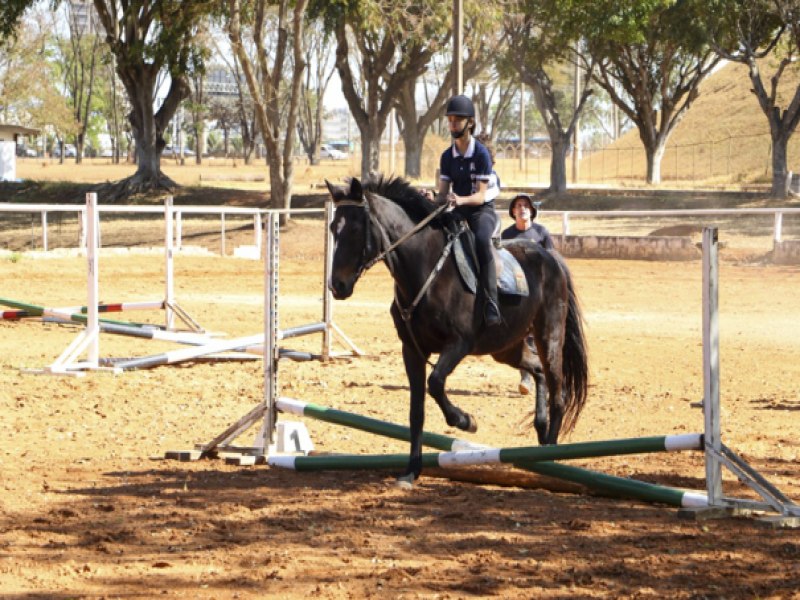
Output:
x,y
170,151
69,151
26,151
326,151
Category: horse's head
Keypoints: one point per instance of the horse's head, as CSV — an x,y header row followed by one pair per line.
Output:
x,y
354,241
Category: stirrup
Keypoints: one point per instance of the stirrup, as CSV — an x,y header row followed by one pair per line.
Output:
x,y
491,313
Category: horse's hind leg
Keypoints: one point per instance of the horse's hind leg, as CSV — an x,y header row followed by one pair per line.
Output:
x,y
448,361
523,356
530,363
550,347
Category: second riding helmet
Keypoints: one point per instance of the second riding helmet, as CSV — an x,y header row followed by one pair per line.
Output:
x,y
460,106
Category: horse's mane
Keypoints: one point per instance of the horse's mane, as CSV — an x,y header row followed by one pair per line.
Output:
x,y
402,193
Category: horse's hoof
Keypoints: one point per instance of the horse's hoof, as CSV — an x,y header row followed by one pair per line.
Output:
x,y
472,425
405,482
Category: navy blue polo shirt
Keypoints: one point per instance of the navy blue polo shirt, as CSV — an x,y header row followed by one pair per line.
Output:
x,y
464,172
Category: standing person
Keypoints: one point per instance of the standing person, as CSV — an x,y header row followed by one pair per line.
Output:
x,y
524,212
465,170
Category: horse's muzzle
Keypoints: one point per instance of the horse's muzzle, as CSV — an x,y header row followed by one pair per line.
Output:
x,y
340,289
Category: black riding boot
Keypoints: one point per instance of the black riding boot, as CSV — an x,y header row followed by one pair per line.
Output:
x,y
491,309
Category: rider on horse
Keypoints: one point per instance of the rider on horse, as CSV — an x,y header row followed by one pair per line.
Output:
x,y
465,170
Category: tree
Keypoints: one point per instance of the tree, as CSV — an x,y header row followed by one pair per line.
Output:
x,y
27,57
651,57
492,98
81,60
748,32
11,12
147,37
312,91
198,102
542,35
270,86
381,46
415,123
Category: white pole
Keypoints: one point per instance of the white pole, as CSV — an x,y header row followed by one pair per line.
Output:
x,y
44,230
522,134
82,220
257,230
327,308
270,328
222,233
711,405
168,252
93,236
776,234
391,141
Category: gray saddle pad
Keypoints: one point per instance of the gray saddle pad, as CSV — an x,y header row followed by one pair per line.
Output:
x,y
510,276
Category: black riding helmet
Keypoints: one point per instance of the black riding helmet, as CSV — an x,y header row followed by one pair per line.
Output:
x,y
460,106
527,199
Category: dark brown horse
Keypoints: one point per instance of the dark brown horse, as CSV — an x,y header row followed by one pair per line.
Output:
x,y
435,314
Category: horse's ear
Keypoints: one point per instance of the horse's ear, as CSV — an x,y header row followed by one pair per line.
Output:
x,y
336,192
356,191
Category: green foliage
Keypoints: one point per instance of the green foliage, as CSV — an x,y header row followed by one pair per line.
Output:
x,y
738,26
11,12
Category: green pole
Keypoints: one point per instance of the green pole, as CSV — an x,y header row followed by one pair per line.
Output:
x,y
391,430
601,482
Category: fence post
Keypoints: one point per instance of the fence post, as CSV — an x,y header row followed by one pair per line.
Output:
x,y
776,232
565,224
44,230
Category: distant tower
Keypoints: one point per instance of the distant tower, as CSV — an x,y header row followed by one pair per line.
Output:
x,y
82,17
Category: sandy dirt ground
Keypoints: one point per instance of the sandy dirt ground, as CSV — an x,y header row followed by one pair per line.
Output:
x,y
89,509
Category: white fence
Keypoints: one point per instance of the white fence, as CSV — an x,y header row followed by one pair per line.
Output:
x,y
567,217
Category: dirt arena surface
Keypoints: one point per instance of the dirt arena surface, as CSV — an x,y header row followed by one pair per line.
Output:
x,y
89,510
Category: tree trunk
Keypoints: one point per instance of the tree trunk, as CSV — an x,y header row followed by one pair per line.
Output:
x,y
558,163
654,153
779,143
370,149
413,141
79,142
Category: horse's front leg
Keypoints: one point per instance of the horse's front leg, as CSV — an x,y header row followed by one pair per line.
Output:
x,y
415,371
448,361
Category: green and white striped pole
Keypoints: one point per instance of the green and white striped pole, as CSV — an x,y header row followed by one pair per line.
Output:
x,y
391,430
490,456
609,484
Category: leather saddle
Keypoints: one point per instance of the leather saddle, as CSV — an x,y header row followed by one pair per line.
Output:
x,y
510,276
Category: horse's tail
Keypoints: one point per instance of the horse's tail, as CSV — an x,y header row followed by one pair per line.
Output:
x,y
575,357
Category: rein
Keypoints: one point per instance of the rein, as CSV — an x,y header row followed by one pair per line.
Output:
x,y
406,313
385,238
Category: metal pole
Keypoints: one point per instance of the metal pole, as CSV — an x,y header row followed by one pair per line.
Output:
x,y
711,406
92,234
391,141
271,354
327,309
522,157
44,230
169,247
458,37
576,133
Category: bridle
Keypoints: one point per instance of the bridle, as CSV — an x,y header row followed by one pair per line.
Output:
x,y
387,247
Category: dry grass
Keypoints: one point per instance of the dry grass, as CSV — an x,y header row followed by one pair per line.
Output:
x,y
722,140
